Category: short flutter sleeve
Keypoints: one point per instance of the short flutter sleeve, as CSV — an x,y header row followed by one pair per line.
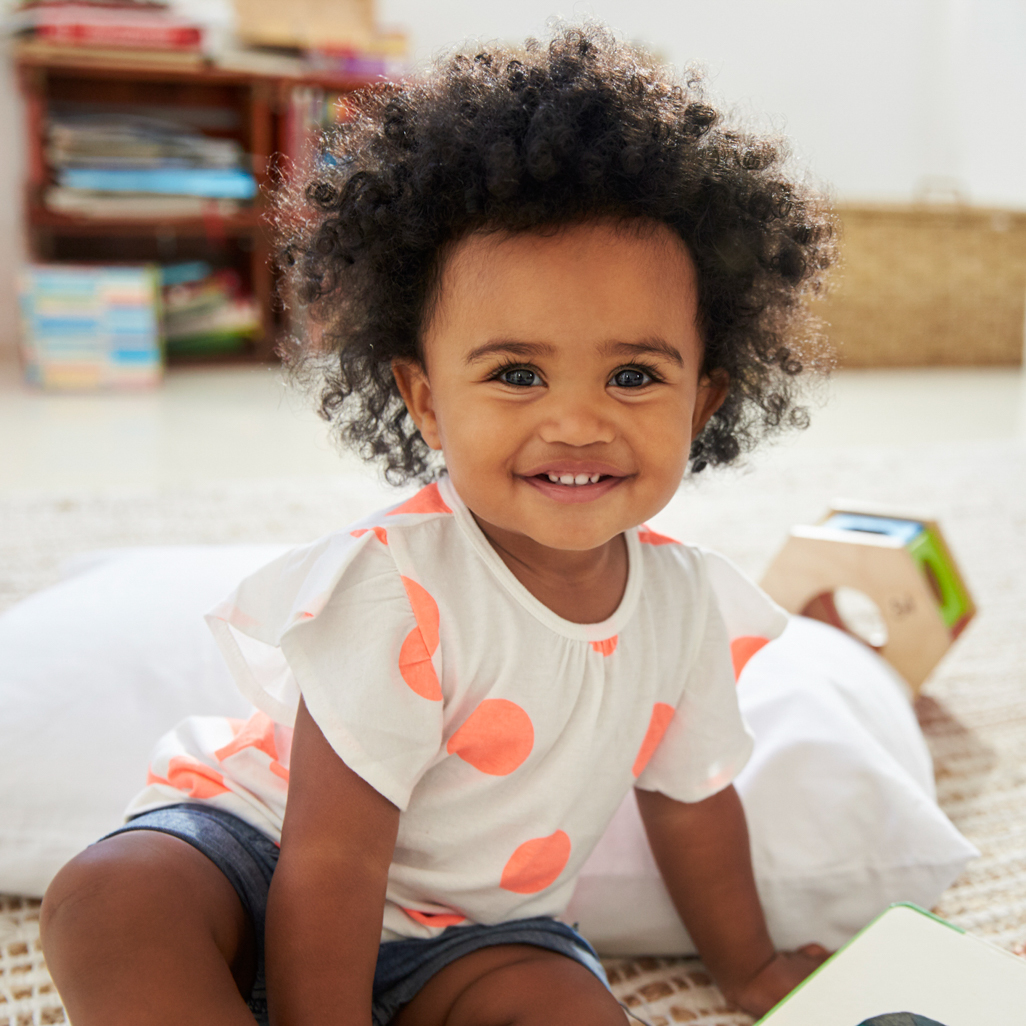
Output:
x,y
704,741
337,624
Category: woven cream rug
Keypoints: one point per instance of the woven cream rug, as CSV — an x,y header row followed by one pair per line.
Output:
x,y
973,710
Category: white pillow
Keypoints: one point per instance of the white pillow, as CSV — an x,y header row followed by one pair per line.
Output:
x,y
92,672
840,802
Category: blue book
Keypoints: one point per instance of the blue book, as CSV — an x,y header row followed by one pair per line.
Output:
x,y
217,183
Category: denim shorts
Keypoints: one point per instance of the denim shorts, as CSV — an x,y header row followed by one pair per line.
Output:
x,y
247,858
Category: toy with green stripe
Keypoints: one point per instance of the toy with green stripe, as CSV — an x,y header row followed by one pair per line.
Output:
x,y
900,562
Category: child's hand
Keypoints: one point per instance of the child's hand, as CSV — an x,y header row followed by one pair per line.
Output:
x,y
778,977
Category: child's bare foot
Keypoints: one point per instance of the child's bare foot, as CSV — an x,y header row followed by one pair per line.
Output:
x,y
777,978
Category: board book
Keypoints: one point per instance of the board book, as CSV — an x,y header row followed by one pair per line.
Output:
x,y
909,961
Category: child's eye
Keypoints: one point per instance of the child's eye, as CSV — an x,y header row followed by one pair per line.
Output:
x,y
520,376
632,377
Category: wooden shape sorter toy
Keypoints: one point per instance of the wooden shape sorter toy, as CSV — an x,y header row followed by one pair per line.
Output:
x,y
900,563
909,968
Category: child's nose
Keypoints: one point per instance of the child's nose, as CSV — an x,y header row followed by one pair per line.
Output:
x,y
575,418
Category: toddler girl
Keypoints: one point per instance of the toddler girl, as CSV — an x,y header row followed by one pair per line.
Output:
x,y
542,282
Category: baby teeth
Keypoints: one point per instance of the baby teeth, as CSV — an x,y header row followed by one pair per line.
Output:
x,y
573,479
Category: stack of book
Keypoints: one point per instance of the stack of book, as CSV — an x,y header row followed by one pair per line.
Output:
x,y
207,312
103,31
90,327
384,54
117,164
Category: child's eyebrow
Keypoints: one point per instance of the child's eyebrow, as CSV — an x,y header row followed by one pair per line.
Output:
x,y
655,346
513,348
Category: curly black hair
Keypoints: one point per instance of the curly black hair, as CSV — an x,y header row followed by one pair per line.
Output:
x,y
530,139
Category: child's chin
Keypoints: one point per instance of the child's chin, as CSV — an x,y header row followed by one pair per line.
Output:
x,y
583,538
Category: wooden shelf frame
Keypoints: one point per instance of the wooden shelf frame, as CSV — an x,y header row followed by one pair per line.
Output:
x,y
262,101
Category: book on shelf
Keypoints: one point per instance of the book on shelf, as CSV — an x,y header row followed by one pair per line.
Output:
x,y
101,56
111,31
110,27
117,153
90,326
311,115
207,312
217,183
89,138
313,112
134,205
384,55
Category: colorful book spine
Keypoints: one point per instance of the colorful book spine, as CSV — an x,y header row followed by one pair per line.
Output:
x,y
140,36
140,26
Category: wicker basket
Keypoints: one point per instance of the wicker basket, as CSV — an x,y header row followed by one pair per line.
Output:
x,y
305,23
928,285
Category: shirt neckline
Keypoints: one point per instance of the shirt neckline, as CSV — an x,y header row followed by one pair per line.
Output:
x,y
601,631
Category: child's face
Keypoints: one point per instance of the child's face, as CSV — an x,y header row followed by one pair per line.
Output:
x,y
574,356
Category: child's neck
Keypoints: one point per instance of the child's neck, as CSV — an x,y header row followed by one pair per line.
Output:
x,y
583,587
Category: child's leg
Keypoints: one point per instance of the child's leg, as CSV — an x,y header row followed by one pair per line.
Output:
x,y
513,985
142,928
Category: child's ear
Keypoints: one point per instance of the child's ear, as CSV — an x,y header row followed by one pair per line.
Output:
x,y
712,391
414,387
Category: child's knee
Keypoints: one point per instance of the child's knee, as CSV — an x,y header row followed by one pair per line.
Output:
x,y
536,991
76,889
132,882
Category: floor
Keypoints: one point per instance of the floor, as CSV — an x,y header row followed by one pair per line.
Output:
x,y
212,424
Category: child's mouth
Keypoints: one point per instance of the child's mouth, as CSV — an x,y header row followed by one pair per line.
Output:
x,y
573,480
567,487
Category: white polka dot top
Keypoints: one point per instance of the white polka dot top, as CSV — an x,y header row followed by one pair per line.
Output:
x,y
507,735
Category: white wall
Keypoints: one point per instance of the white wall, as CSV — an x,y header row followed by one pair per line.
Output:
x,y
880,96
877,94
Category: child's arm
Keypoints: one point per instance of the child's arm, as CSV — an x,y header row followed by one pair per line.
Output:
x,y
703,854
327,895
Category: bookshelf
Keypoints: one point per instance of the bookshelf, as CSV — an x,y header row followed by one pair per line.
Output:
x,y
254,107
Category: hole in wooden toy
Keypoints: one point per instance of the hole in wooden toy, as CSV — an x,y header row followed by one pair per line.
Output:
x,y
852,611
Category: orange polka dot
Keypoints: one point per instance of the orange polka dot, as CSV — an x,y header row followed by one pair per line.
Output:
x,y
416,667
742,649
257,732
496,738
649,537
427,500
536,864
661,716
415,655
435,918
606,647
380,532
191,777
425,612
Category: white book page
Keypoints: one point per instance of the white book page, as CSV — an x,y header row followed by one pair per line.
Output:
x,y
907,961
